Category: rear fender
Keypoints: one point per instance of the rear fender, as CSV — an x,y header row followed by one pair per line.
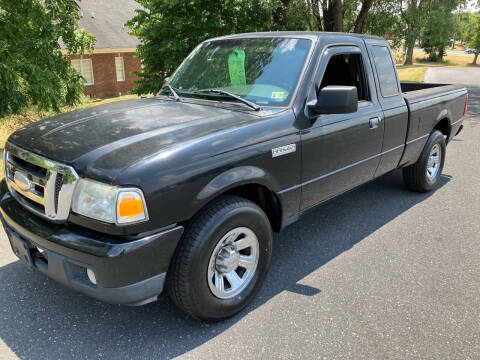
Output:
x,y
444,114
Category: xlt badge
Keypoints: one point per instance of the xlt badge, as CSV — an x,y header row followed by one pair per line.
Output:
x,y
283,150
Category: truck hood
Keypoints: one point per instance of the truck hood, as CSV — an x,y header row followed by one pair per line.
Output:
x,y
129,130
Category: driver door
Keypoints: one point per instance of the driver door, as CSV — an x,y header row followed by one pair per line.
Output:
x,y
341,151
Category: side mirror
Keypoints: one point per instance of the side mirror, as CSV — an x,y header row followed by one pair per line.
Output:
x,y
166,80
335,99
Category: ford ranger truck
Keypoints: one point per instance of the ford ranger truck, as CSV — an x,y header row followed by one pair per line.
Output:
x,y
183,190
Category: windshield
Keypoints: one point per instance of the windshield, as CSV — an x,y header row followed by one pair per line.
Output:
x,y
264,71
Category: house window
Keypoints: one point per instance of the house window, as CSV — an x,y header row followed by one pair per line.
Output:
x,y
120,69
84,67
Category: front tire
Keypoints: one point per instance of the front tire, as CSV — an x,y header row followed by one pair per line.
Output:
x,y
222,259
424,175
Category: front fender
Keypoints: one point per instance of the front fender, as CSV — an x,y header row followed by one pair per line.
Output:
x,y
235,177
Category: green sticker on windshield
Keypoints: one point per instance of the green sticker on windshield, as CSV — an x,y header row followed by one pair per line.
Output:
x,y
278,95
236,67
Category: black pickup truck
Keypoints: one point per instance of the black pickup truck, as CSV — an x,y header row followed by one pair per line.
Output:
x,y
184,189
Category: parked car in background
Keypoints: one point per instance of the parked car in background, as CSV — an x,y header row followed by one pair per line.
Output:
x,y
470,51
184,189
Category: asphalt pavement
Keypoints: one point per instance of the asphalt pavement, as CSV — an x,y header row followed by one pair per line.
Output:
x,y
449,51
468,76
379,273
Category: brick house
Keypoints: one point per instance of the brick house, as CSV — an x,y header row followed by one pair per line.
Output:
x,y
107,70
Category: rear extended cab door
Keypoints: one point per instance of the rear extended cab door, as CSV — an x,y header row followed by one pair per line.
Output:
x,y
395,111
340,151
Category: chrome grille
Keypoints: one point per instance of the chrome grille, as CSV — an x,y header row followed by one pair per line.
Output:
x,y
43,186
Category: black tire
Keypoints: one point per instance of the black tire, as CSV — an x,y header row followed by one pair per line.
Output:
x,y
187,281
415,176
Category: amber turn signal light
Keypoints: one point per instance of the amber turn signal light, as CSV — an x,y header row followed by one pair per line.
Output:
x,y
130,207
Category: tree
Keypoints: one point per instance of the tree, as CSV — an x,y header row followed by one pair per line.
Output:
x,y
466,26
338,15
362,15
438,28
413,17
432,18
333,15
475,40
299,17
33,69
170,29
385,19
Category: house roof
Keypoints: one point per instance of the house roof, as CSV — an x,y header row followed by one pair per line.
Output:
x,y
106,20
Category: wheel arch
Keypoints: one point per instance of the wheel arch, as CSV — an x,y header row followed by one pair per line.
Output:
x,y
249,182
442,123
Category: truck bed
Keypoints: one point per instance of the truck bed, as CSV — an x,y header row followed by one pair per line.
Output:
x,y
413,92
428,104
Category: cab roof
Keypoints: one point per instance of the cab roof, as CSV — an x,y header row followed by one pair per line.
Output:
x,y
311,35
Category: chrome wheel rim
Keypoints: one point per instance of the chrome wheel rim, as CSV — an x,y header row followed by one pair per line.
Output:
x,y
233,263
434,161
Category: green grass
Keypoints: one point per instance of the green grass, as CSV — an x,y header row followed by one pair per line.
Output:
x,y
413,73
421,58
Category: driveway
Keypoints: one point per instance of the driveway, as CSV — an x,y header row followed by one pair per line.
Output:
x,y
378,273
449,75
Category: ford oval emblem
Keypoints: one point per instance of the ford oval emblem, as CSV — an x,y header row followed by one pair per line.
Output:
x,y
22,181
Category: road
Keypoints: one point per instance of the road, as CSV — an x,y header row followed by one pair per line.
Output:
x,y
458,52
469,76
377,273
449,51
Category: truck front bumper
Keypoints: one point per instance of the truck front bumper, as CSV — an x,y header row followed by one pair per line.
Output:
x,y
128,270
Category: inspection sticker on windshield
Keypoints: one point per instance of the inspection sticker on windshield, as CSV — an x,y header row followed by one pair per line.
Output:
x,y
283,150
278,95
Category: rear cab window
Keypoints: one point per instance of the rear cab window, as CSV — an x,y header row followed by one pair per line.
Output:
x,y
385,71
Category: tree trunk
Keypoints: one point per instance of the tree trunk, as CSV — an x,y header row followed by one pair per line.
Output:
x,y
362,15
475,58
441,53
316,14
409,56
327,10
337,12
411,33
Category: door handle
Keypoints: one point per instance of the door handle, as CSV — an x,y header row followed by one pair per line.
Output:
x,y
375,122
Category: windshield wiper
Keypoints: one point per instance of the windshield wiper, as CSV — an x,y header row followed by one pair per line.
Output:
x,y
233,96
172,90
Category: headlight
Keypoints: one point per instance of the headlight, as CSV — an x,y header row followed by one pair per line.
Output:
x,y
109,203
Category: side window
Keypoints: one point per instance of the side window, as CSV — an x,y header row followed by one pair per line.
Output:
x,y
385,71
346,70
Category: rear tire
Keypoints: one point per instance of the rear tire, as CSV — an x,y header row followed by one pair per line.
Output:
x,y
424,175
213,274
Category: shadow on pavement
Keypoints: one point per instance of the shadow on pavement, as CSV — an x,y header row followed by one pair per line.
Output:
x,y
41,319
